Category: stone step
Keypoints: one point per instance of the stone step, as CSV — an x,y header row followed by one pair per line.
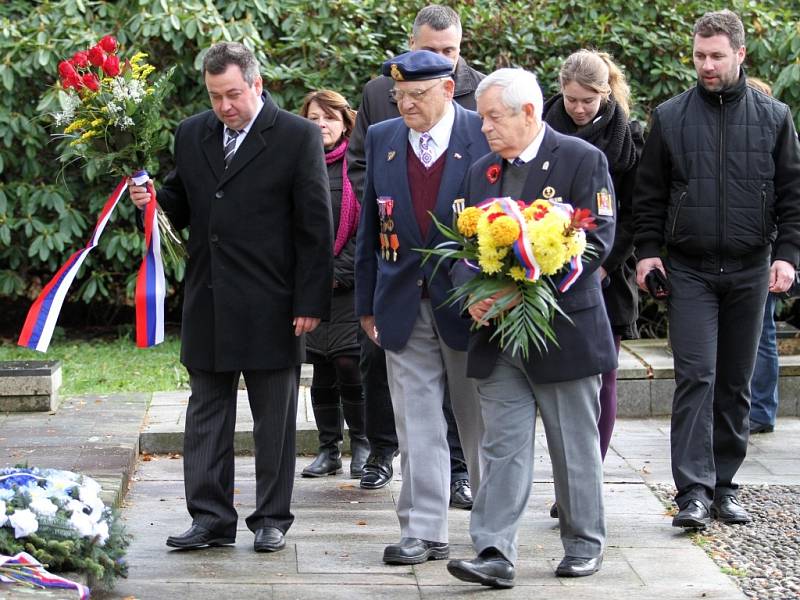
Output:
x,y
645,386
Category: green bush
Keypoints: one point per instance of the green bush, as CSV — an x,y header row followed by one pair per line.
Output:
x,y
47,209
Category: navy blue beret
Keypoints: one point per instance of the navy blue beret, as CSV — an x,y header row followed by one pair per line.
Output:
x,y
418,65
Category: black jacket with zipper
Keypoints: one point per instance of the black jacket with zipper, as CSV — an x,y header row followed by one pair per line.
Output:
x,y
719,179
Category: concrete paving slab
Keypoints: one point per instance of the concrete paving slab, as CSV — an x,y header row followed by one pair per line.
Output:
x,y
653,353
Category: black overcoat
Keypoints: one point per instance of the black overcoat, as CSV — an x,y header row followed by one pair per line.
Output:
x,y
260,239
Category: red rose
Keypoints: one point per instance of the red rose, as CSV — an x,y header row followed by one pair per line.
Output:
x,y
108,43
111,65
96,56
493,173
80,59
90,81
72,81
65,69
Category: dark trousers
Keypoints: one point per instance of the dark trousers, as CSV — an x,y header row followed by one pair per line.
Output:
x,y
208,464
380,416
714,325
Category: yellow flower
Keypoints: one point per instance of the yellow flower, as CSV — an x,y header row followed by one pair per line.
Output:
x,y
504,230
136,58
490,260
75,125
468,221
97,122
517,273
87,135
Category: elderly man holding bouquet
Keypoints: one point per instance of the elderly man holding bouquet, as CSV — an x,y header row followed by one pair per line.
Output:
x,y
530,161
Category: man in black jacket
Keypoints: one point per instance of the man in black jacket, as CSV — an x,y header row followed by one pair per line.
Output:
x,y
719,181
437,29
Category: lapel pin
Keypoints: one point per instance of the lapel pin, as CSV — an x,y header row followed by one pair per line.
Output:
x,y
391,155
546,165
548,192
457,155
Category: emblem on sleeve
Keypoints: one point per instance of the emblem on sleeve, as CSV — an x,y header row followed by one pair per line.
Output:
x,y
605,204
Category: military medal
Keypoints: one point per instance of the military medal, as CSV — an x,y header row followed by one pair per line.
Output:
x,y
388,239
395,244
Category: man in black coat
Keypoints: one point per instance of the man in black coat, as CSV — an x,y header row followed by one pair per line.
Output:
x,y
436,29
250,183
718,180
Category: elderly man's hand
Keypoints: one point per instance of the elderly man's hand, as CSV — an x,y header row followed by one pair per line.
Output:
x,y
368,325
139,193
479,309
781,276
304,325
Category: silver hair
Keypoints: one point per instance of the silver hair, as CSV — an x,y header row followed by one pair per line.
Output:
x,y
519,86
438,18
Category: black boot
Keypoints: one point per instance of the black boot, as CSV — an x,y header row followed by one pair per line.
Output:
x,y
354,414
328,415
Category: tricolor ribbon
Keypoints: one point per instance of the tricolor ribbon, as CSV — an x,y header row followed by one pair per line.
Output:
x,y
24,569
575,265
150,287
523,249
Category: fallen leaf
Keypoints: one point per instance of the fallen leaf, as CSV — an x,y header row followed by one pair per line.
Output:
x,y
361,522
147,457
174,455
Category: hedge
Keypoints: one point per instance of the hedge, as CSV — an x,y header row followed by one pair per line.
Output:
x,y
47,209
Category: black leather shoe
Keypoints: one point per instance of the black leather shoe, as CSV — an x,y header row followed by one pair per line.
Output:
x,y
576,566
492,570
728,510
326,463
761,427
378,472
269,539
360,453
196,537
461,494
413,551
554,511
694,514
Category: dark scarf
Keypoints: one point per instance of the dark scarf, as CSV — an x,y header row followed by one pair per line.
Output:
x,y
611,133
348,216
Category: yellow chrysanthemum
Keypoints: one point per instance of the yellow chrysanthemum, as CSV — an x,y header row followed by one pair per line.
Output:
x,y
517,273
550,248
490,260
468,221
504,230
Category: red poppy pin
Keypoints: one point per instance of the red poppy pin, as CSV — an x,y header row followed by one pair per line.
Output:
x,y
493,173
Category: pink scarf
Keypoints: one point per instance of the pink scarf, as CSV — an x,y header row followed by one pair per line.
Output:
x,y
348,215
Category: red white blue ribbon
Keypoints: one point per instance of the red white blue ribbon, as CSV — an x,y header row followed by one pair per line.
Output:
x,y
575,265
24,569
523,249
150,285
43,314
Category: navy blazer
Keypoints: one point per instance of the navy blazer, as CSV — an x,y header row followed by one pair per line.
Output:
x,y
577,172
391,290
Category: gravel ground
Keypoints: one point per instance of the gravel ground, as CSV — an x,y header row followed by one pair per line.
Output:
x,y
764,556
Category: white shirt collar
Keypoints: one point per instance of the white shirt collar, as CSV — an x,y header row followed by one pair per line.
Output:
x,y
440,133
532,150
244,130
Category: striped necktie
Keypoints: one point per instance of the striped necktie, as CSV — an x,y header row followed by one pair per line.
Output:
x,y
230,145
425,154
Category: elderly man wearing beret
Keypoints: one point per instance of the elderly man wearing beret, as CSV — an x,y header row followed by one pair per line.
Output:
x,y
416,165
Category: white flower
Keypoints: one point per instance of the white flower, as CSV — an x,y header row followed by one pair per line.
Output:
x,y
43,506
101,532
3,516
81,522
24,523
6,494
125,123
37,493
90,486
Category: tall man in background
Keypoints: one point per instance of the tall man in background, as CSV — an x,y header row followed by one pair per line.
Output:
x,y
436,29
719,179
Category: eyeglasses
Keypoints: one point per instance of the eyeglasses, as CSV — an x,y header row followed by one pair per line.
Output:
x,y
415,95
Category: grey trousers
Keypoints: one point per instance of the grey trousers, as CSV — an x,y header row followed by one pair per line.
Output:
x,y
569,409
417,377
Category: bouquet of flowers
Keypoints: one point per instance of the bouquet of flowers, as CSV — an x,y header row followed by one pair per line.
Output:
x,y
523,254
111,113
58,518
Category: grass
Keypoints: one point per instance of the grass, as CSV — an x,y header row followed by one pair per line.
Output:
x,y
102,366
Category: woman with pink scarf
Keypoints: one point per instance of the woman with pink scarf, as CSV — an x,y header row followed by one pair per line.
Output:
x,y
333,347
